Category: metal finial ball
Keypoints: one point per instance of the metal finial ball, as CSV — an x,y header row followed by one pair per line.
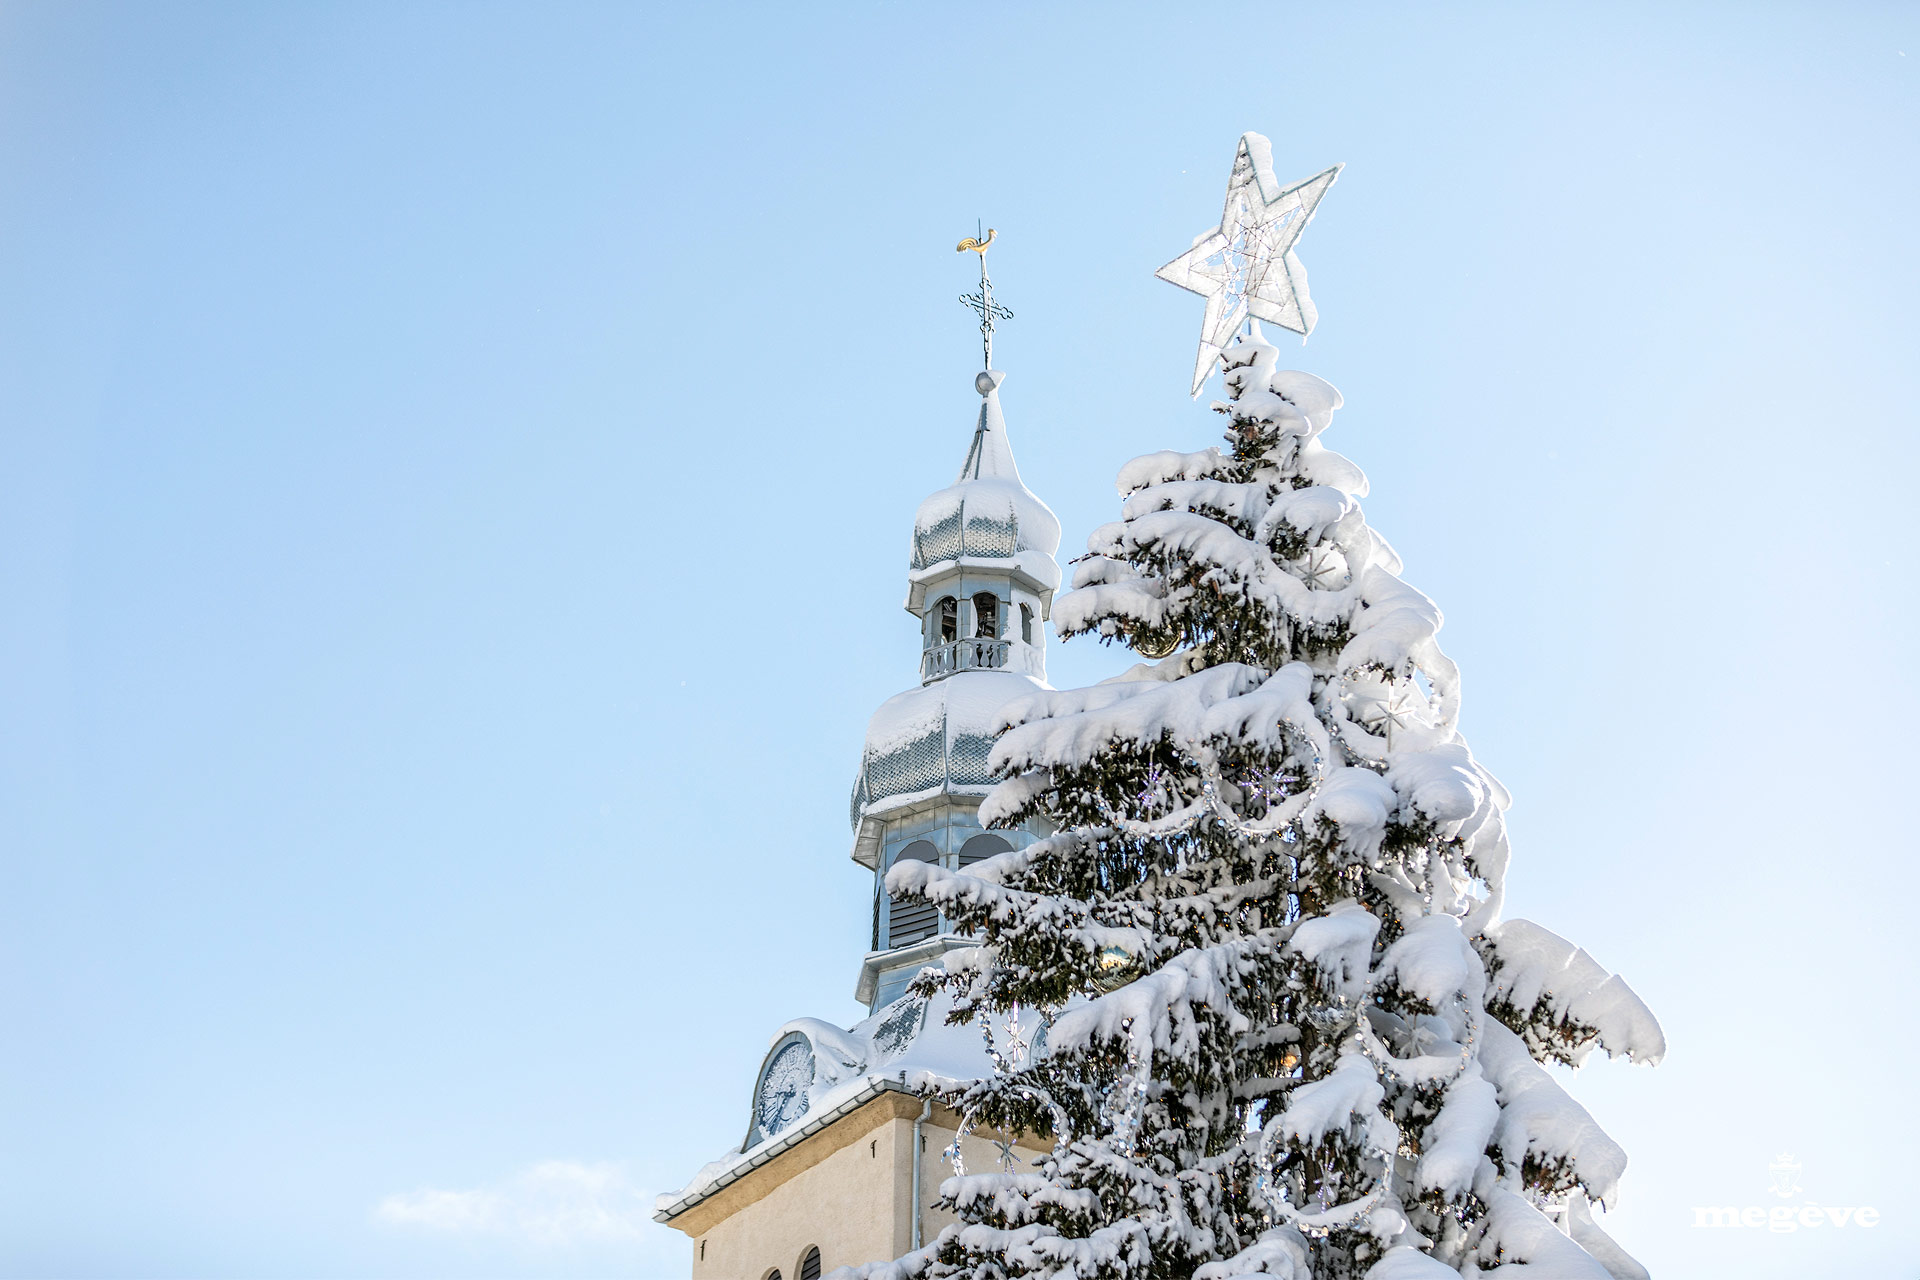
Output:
x,y
983,382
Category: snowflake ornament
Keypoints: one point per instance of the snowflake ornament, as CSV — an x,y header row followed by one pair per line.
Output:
x,y
1321,567
1381,714
1245,267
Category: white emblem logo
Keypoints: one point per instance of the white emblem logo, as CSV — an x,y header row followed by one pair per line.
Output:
x,y
1786,1176
1783,1174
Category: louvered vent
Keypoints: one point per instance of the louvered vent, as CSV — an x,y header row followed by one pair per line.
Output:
x,y
810,1265
912,921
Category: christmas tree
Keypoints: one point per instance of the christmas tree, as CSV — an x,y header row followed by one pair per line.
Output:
x,y
1255,984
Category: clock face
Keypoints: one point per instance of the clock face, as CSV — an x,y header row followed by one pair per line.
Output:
x,y
783,1089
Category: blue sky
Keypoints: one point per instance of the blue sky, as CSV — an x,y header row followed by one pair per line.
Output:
x,y
455,470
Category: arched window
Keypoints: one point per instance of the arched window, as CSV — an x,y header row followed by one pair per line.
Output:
x,y
912,921
981,848
772,1275
1026,624
986,615
810,1265
947,620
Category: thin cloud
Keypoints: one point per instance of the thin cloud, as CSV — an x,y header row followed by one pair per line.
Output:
x,y
552,1202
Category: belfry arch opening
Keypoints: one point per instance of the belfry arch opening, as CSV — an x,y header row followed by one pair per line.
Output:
x,y
982,847
986,615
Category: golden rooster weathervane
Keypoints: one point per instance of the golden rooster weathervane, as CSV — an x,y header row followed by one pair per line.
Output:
x,y
982,303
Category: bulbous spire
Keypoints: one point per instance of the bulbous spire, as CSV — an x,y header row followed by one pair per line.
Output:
x,y
981,582
986,513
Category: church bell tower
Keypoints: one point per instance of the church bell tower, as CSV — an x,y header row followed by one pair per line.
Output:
x,y
843,1155
980,583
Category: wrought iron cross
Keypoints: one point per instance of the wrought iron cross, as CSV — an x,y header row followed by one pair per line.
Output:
x,y
982,303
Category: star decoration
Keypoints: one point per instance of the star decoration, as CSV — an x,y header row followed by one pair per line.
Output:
x,y
1319,568
1382,715
1245,267
1273,788
1007,1158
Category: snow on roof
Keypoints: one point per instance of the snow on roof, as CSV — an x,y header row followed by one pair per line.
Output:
x,y
986,511
907,1045
969,703
935,740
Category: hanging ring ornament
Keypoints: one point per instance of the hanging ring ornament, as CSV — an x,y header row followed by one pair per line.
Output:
x,y
1440,1070
1436,1070
1327,1220
1056,1114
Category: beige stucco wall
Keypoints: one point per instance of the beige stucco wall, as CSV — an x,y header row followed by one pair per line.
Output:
x,y
978,1154
846,1191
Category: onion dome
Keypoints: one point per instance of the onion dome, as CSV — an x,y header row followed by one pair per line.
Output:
x,y
981,583
986,514
934,741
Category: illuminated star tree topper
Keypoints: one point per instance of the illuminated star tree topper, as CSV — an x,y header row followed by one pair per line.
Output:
x,y
1245,267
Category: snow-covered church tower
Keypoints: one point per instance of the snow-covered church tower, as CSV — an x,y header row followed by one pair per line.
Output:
x,y
981,584
842,1157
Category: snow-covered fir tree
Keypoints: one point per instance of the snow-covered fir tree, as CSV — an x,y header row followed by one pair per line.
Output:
x,y
1278,1025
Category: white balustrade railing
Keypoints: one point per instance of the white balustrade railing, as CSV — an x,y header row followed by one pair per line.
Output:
x,y
979,653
